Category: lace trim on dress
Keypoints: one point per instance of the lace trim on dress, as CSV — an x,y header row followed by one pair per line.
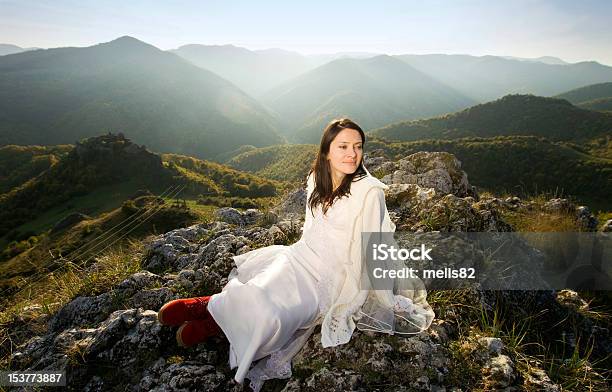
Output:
x,y
324,289
401,305
275,367
278,364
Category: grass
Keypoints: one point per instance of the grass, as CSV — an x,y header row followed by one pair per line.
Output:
x,y
104,199
578,372
537,219
205,213
526,341
602,217
58,288
84,240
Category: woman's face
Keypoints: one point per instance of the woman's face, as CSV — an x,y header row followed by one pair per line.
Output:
x,y
345,153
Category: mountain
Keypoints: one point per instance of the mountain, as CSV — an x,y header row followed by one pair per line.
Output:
x,y
107,167
588,93
10,49
289,162
527,165
552,118
19,164
592,97
57,96
373,92
327,57
253,71
542,59
490,77
600,104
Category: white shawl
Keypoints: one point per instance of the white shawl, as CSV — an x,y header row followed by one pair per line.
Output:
x,y
376,310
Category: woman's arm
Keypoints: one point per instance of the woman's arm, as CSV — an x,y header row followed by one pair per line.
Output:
x,y
374,210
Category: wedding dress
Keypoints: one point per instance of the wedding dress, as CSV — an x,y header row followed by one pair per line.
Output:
x,y
276,295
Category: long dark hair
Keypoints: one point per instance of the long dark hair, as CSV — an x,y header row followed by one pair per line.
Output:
x,y
323,192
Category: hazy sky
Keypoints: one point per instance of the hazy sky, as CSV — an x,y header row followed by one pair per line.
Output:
x,y
572,30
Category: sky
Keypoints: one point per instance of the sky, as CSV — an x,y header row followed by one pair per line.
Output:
x,y
571,30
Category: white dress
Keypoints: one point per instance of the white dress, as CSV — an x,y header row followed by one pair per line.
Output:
x,y
276,295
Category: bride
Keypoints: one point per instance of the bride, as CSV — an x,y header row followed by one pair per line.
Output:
x,y
276,295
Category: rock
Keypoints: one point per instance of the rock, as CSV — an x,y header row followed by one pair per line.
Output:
x,y
502,371
586,219
82,311
386,168
218,252
190,376
438,331
408,196
229,215
494,346
558,206
376,162
251,216
115,339
513,202
293,206
378,360
438,170
430,192
152,299
96,384
421,383
164,251
538,380
279,237
139,281
572,299
373,163
88,310
292,386
334,380
233,216
490,218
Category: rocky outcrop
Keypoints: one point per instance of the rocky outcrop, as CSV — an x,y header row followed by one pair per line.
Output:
x,y
429,191
112,341
233,216
438,170
118,151
292,207
582,214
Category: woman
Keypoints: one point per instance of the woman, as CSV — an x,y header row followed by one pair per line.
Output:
x,y
276,295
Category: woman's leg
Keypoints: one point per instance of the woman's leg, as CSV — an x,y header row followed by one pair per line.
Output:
x,y
176,312
191,314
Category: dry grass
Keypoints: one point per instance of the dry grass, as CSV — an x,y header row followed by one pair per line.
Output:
x,y
32,307
543,222
530,349
538,220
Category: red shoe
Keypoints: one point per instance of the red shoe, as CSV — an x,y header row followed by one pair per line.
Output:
x,y
176,312
196,331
